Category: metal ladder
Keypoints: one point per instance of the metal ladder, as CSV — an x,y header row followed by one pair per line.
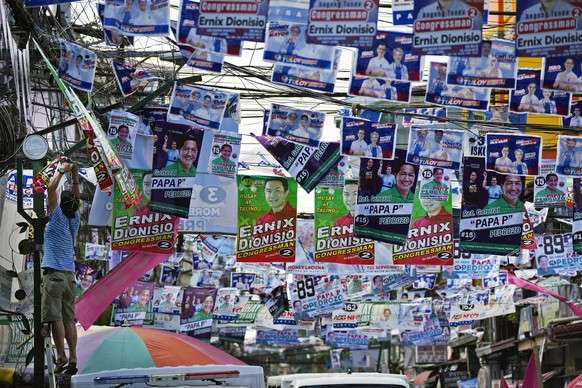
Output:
x,y
49,355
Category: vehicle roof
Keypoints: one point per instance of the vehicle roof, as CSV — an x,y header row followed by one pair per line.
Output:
x,y
344,378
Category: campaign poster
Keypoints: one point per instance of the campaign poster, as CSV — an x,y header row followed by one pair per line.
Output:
x,y
391,58
548,30
287,337
296,125
314,79
577,216
129,78
549,187
528,240
305,256
85,277
474,141
430,236
112,37
172,184
440,93
343,23
489,225
138,18
196,316
309,297
423,116
435,183
349,340
528,97
496,67
225,154
205,60
77,66
242,280
285,11
192,105
241,19
574,119
307,165
335,241
402,12
383,214
379,89
455,30
361,137
425,281
137,228
94,252
476,267
555,255
266,219
569,156
435,147
513,154
168,301
286,44
562,73
122,132
135,303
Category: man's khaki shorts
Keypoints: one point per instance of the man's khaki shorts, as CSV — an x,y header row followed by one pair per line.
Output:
x,y
58,296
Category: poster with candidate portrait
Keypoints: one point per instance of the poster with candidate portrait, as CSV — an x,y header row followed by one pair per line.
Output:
x,y
456,30
391,58
225,153
243,19
435,147
513,154
361,137
548,30
418,116
383,213
77,66
192,105
562,73
555,255
122,132
135,303
373,89
335,241
137,228
167,301
314,79
197,318
496,67
172,184
306,164
574,119
549,187
112,37
204,60
476,267
138,17
435,183
343,23
296,125
267,219
528,97
440,93
490,225
286,44
569,156
309,296
430,236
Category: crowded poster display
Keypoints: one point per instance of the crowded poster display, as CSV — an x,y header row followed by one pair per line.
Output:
x,y
398,218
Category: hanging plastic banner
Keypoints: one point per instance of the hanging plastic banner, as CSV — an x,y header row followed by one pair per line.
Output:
x,y
299,126
549,187
495,67
435,147
357,132
242,19
529,98
394,58
138,18
513,154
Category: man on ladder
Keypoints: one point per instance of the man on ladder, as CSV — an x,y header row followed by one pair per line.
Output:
x,y
58,266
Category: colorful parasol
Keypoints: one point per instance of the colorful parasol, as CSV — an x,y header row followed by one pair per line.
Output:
x,y
104,348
